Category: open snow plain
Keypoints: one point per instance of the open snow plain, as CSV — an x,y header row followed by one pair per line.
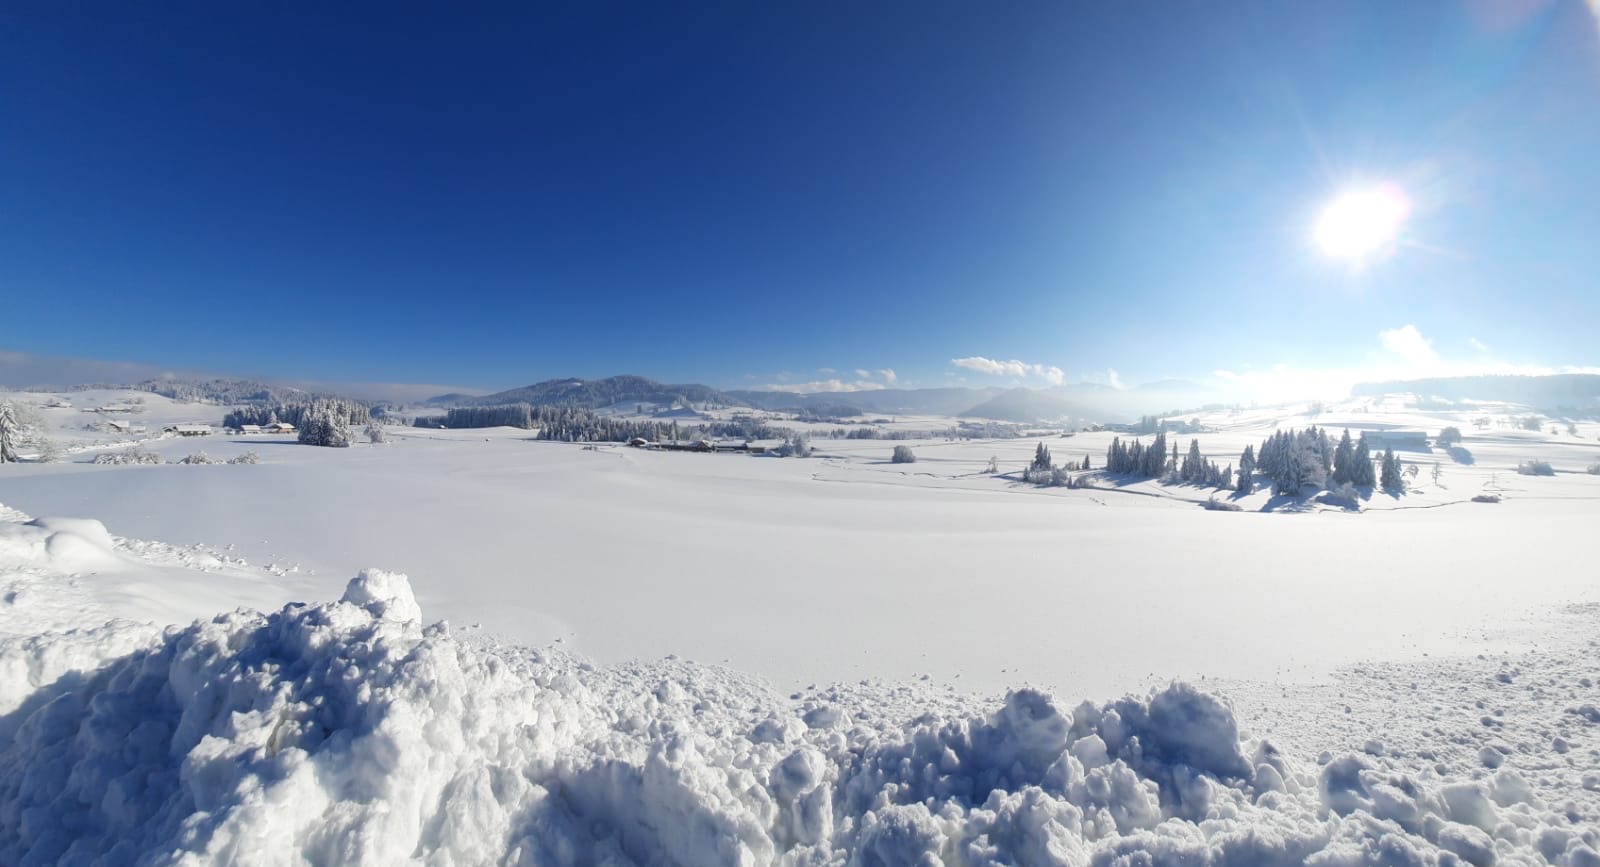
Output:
x,y
1415,682
844,566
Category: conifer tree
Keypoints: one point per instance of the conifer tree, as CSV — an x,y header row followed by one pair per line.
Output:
x,y
1343,458
1361,466
9,430
1041,458
1391,479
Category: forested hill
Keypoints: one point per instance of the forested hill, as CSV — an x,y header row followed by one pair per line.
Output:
x,y
593,393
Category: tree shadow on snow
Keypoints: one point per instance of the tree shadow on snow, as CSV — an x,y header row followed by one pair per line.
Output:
x,y
1460,455
1287,503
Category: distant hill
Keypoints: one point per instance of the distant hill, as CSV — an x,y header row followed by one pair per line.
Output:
x,y
1027,404
222,391
901,401
1079,402
1570,391
595,393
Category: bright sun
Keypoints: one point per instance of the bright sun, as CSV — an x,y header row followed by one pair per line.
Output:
x,y
1362,223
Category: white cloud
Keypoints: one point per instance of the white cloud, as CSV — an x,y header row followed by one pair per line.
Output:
x,y
826,385
1477,344
826,371
1408,343
994,367
889,375
1113,378
863,373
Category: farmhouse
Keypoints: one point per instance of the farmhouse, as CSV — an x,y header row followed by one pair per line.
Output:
x,y
189,430
250,429
124,426
278,427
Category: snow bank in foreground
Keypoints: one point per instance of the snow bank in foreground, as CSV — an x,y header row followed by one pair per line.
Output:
x,y
348,733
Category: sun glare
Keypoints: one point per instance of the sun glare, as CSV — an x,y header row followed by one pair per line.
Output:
x,y
1364,223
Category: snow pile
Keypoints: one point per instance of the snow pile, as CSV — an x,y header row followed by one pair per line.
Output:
x,y
63,544
347,733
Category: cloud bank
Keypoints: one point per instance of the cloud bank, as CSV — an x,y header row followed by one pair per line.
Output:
x,y
994,367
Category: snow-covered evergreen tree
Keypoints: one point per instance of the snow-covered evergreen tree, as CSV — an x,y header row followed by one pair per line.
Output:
x,y
903,455
1041,459
1343,459
1247,469
375,434
1391,479
1361,474
9,430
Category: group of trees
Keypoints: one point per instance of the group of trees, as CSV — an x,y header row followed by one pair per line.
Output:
x,y
1195,469
325,423
1155,461
794,446
561,423
1137,459
577,424
1290,459
1043,470
295,412
1294,459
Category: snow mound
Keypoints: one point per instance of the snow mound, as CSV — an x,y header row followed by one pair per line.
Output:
x,y
349,733
64,544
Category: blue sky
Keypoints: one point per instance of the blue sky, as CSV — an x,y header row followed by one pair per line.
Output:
x,y
752,193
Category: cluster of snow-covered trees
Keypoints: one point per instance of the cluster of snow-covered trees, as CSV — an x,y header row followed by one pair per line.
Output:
x,y
561,423
1155,461
795,446
353,412
1043,470
577,424
325,423
1290,459
573,425
1294,459
1137,459
1195,469
507,415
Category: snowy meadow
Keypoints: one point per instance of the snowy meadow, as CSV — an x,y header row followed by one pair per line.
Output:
x,y
557,653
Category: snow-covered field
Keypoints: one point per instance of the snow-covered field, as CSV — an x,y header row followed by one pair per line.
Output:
x,y
707,659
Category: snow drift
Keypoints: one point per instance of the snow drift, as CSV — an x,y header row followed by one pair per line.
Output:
x,y
349,733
